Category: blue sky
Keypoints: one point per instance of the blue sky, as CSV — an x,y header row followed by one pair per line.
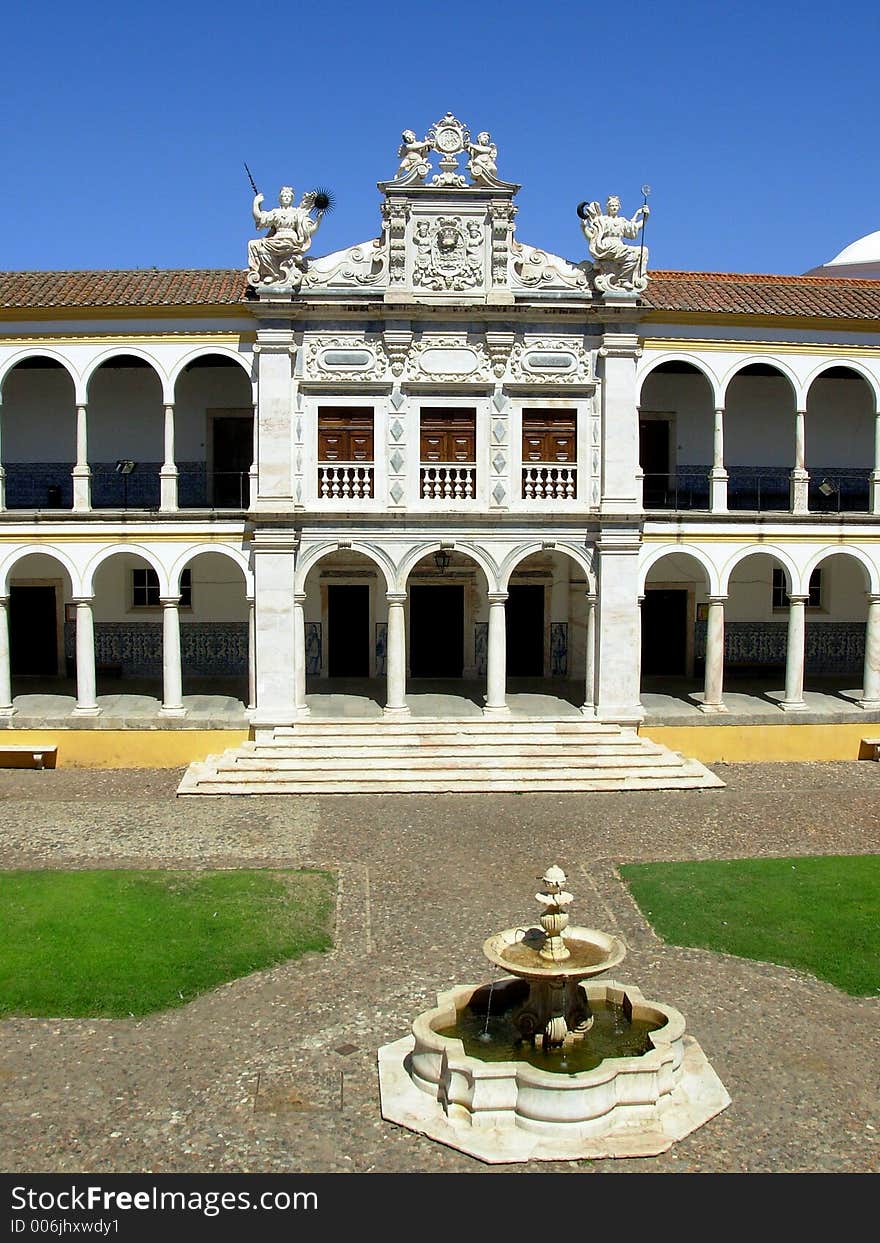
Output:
x,y
125,129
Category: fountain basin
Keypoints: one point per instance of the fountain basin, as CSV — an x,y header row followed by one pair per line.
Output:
x,y
507,1111
518,951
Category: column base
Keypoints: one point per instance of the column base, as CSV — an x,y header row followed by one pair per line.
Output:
x,y
87,711
798,493
630,718
397,714
869,705
588,710
163,711
712,709
499,711
8,711
303,711
798,705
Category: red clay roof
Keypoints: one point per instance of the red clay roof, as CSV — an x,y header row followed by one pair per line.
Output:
x,y
697,292
150,287
736,294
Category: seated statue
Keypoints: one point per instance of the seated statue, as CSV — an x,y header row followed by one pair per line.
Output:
x,y
619,268
413,156
483,157
279,258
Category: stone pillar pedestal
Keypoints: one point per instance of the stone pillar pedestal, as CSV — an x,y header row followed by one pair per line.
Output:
x,y
799,477
6,705
172,676
86,685
794,656
81,473
496,690
396,705
589,705
718,475
299,656
713,686
870,700
618,629
168,473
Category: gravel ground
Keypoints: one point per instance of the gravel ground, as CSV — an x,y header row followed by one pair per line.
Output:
x,y
277,1072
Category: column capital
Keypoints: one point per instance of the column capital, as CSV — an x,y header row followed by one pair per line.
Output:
x,y
78,600
169,602
300,597
497,597
591,596
798,599
717,599
168,405
872,597
395,597
719,409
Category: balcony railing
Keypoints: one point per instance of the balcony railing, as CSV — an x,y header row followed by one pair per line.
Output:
x,y
349,481
549,483
219,489
449,482
681,490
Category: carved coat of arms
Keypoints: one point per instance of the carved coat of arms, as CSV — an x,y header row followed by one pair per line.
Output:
x,y
449,253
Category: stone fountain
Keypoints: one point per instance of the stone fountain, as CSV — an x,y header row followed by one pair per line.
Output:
x,y
546,1063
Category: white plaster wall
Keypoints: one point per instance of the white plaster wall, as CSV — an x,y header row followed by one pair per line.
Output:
x,y
126,415
759,422
751,591
840,423
41,566
200,390
688,398
38,416
218,591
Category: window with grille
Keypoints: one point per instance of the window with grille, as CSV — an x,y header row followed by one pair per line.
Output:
x,y
780,590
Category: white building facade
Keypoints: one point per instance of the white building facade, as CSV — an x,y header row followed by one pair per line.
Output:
x,y
441,455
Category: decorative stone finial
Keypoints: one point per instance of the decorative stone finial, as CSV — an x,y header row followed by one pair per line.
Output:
x,y
618,268
449,138
554,921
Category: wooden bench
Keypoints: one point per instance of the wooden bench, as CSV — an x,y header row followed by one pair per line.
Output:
x,y
27,757
869,749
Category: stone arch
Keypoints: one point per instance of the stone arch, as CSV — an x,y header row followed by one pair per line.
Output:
x,y
136,550
486,563
759,360
793,573
41,352
851,364
208,351
73,573
313,553
129,351
713,575
872,574
651,363
580,557
238,558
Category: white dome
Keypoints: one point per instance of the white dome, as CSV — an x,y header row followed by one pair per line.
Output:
x,y
860,259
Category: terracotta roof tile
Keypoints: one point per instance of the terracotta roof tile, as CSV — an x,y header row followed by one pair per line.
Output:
x,y
150,287
702,293
732,293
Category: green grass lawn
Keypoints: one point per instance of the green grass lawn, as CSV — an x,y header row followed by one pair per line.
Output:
x,y
114,943
820,914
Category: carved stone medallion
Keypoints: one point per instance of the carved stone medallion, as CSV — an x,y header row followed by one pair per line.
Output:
x,y
449,253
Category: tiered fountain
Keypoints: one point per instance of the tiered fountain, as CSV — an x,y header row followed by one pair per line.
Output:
x,y
542,1064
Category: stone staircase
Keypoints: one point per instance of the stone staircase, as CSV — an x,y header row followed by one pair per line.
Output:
x,y
438,756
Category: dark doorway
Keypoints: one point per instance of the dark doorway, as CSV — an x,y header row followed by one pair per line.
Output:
x,y
664,633
524,616
33,630
233,454
348,623
654,461
436,624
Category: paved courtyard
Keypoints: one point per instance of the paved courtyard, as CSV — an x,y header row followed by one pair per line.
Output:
x,y
277,1072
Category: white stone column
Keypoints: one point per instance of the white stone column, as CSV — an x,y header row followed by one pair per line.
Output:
x,y
718,475
799,476
713,683
86,685
870,699
81,473
6,705
168,473
172,676
254,474
496,679
589,706
274,569
620,423
252,656
875,473
2,467
299,656
618,650
395,655
277,420
794,655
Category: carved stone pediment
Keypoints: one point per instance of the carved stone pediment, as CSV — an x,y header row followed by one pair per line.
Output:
x,y
531,268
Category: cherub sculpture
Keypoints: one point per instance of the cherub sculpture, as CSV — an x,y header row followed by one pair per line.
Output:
x,y
413,156
279,258
619,268
483,157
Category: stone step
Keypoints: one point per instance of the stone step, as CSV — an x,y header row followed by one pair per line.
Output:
x,y
353,768
455,783
405,748
370,726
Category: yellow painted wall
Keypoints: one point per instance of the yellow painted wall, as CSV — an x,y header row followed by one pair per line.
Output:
x,y
731,744
126,748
